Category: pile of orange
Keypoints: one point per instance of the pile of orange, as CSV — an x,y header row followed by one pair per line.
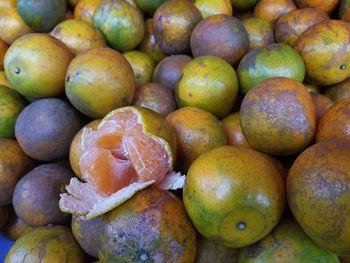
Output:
x,y
175,130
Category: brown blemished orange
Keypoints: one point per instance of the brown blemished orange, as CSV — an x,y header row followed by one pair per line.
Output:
x,y
3,49
260,32
85,9
270,10
322,104
233,130
340,91
326,6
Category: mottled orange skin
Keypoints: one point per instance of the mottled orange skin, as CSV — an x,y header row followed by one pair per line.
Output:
x,y
290,26
233,130
234,195
270,10
197,131
335,123
85,9
223,36
322,104
173,23
5,4
153,225
12,26
318,194
76,149
278,116
15,227
340,91
325,49
4,213
3,49
260,32
214,7
326,6
156,97
14,164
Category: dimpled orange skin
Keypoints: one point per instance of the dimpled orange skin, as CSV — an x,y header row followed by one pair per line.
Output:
x,y
322,104
173,23
335,123
3,49
234,195
12,26
326,6
318,194
153,223
233,130
291,25
270,10
85,9
278,116
325,49
260,32
197,131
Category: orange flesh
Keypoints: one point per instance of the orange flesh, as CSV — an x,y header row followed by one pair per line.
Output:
x,y
120,153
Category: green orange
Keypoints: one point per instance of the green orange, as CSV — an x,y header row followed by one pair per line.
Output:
x,y
121,24
275,60
149,6
234,195
209,83
98,81
214,7
36,64
260,32
271,10
233,130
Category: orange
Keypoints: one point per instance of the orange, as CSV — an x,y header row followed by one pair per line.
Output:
x,y
15,227
325,49
5,4
12,26
78,35
322,104
3,49
197,131
73,2
209,83
85,9
3,80
234,195
243,4
233,130
340,91
36,64
149,6
260,32
318,195
99,81
278,116
326,6
214,7
271,10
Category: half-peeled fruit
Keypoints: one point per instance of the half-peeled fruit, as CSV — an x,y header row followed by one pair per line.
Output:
x,y
131,149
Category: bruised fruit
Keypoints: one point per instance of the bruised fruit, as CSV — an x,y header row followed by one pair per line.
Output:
x,y
46,244
318,195
260,32
214,7
233,130
85,9
173,23
99,81
271,10
152,226
278,116
234,195
14,164
223,36
46,127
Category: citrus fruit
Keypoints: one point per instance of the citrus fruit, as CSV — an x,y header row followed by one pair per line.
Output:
x,y
6,4
287,243
3,80
73,3
12,26
76,148
11,104
209,83
168,71
46,244
278,116
132,148
149,44
142,64
233,130
35,198
14,164
150,227
335,122
318,196
326,6
271,10
290,26
340,91
35,65
86,232
322,104
42,15
197,131
78,35
243,4
3,49
155,97
311,87
121,24
234,195
4,213
344,7
149,6
15,227
275,60
223,36
216,7
173,23
99,81
260,32
85,9
325,50
209,251
46,127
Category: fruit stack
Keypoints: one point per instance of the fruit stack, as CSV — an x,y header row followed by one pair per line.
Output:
x,y
204,131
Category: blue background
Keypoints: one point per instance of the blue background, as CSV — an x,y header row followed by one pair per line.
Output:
x,y
5,245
